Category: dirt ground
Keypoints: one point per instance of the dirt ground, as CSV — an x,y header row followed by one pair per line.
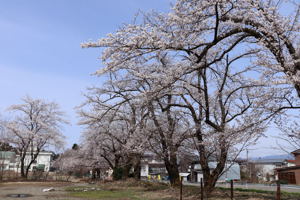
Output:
x,y
122,190
35,189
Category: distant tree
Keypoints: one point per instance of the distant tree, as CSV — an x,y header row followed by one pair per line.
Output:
x,y
6,147
113,121
36,126
75,146
290,133
68,163
55,156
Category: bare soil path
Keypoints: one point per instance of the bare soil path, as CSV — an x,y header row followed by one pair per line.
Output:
x,y
35,190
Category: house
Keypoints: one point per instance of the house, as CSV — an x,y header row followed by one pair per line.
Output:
x,y
7,160
152,167
290,163
231,171
42,162
11,161
264,169
291,173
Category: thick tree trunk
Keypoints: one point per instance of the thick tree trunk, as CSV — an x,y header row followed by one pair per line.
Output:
x,y
172,168
126,171
211,177
173,174
137,168
117,173
95,173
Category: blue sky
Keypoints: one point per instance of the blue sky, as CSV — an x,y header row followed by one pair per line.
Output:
x,y
40,52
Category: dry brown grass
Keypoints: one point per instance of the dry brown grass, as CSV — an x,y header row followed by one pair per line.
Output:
x,y
162,191
136,190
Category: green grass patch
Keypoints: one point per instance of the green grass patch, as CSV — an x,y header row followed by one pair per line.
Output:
x,y
283,193
107,194
120,191
247,190
75,188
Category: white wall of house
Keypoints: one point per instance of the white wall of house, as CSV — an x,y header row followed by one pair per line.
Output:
x,y
4,164
7,160
145,166
199,176
144,170
44,158
289,164
266,170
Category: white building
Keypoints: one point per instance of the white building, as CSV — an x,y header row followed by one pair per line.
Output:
x,y
7,160
152,166
265,168
11,161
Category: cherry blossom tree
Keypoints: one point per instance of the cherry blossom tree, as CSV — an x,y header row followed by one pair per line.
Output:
x,y
36,126
68,163
193,50
79,161
113,123
162,132
290,133
195,28
167,131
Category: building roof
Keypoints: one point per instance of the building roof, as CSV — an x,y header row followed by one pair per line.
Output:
x,y
288,168
268,161
184,174
296,152
291,161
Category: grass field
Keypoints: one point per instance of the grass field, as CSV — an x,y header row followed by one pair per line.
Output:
x,y
132,190
127,190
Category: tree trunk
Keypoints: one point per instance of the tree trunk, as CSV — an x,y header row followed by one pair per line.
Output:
x,y
126,171
211,177
118,173
98,173
27,170
136,165
23,174
137,170
172,168
209,186
95,173
297,86
173,174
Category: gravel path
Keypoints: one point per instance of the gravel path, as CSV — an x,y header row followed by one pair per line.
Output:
x,y
35,189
